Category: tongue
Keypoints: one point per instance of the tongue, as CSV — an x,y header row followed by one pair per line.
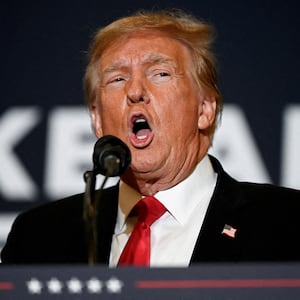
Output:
x,y
141,134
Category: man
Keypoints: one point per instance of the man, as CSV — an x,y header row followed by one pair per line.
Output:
x,y
151,82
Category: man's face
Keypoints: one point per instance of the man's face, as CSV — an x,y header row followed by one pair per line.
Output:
x,y
148,98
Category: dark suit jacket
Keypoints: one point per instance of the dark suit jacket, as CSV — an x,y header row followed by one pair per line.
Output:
x,y
266,218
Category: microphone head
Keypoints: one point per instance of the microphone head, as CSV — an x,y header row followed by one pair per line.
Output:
x,y
111,156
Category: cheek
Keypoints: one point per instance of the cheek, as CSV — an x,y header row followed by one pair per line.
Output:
x,y
178,126
112,119
182,108
109,106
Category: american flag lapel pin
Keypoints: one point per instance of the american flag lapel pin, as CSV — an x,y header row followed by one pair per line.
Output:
x,y
229,230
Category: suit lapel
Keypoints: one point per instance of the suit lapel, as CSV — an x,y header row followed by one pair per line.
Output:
x,y
211,244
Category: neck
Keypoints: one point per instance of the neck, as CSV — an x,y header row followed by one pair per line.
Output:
x,y
150,184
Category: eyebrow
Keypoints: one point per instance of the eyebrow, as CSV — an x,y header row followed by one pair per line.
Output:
x,y
116,65
152,59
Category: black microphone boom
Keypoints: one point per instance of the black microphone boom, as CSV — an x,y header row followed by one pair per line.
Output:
x,y
111,156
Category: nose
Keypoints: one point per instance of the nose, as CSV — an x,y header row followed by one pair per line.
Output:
x,y
137,91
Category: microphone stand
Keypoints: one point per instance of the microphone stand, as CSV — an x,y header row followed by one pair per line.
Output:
x,y
90,215
111,158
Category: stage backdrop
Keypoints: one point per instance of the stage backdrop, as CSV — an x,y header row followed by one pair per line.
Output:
x,y
46,139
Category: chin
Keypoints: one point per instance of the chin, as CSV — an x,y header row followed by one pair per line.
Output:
x,y
142,165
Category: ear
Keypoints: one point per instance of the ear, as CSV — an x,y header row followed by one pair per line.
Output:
x,y
207,112
96,120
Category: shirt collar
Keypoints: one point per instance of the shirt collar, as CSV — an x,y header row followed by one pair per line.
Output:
x,y
196,189
179,200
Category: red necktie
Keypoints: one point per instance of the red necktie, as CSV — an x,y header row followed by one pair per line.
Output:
x,y
137,249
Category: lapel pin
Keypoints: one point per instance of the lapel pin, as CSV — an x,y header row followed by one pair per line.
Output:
x,y
229,230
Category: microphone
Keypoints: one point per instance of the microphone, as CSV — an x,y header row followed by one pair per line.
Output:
x,y
111,156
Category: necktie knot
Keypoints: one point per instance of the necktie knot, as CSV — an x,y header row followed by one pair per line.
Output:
x,y
148,210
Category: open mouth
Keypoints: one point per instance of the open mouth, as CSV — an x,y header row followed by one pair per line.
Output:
x,y
140,127
141,132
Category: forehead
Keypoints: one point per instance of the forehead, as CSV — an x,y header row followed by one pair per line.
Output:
x,y
145,46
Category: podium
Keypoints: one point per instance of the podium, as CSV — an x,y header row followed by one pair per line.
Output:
x,y
203,281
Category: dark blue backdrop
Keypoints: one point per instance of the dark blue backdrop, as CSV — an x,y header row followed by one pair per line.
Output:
x,y
43,47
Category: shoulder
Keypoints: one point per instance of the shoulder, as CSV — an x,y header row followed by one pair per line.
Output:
x,y
254,193
270,190
65,208
68,209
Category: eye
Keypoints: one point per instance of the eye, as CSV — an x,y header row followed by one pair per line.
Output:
x,y
160,76
163,74
117,79
113,82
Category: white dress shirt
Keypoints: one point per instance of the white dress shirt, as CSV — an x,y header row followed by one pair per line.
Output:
x,y
173,236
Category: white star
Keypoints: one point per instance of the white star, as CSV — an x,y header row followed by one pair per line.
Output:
x,y
114,285
54,286
34,286
94,286
74,286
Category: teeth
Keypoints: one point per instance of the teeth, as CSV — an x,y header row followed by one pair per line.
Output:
x,y
140,120
141,137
